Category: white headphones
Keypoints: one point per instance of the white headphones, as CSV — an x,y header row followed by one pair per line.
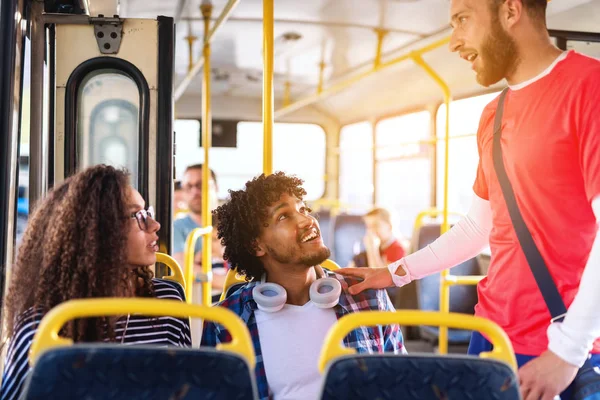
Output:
x,y
271,297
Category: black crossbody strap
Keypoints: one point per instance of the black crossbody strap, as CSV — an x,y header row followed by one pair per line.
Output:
x,y
542,276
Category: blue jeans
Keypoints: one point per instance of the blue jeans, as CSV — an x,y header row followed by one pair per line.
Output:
x,y
480,344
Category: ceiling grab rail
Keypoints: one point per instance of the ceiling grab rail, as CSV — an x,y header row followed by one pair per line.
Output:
x,y
195,69
378,65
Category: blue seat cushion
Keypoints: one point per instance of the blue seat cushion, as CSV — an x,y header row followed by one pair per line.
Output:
x,y
419,377
139,372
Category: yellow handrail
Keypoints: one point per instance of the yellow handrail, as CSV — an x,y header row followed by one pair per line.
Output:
x,y
326,92
446,279
206,9
333,347
176,271
231,279
188,267
330,265
225,13
431,213
267,101
452,280
444,289
47,336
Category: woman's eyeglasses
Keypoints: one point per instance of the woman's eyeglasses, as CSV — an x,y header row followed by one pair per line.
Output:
x,y
142,217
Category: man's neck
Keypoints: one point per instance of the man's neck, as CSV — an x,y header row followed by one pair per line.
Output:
x,y
534,57
295,281
197,218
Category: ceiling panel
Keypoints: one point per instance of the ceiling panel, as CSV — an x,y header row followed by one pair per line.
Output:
x,y
237,47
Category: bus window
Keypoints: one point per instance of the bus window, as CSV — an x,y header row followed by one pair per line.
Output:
x,y
356,166
591,49
404,167
298,149
464,157
108,123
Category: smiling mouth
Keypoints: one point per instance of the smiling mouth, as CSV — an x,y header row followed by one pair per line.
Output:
x,y
311,235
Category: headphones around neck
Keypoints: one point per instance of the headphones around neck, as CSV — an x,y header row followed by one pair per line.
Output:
x,y
271,297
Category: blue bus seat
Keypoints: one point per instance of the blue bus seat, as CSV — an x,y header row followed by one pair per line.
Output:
x,y
348,230
61,369
418,377
463,298
107,371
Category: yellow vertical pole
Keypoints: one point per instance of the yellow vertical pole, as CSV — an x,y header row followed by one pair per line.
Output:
x,y
322,66
206,9
190,39
444,286
287,93
268,107
380,36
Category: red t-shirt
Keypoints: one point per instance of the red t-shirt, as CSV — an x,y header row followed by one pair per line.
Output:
x,y
551,146
392,253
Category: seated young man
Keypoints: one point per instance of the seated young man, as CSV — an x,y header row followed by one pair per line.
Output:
x,y
270,236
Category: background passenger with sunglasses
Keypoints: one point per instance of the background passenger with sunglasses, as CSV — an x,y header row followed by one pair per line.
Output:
x,y
90,237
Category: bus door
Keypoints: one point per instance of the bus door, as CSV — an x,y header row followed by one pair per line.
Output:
x,y
114,103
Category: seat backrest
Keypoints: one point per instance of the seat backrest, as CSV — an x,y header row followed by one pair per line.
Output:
x,y
61,369
233,281
231,289
139,372
419,377
176,272
347,231
463,298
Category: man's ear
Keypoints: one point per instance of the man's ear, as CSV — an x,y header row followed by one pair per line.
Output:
x,y
512,11
259,248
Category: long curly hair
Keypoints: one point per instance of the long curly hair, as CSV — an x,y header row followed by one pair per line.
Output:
x,y
241,219
75,246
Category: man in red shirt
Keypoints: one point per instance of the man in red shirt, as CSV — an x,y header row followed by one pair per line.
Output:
x,y
551,148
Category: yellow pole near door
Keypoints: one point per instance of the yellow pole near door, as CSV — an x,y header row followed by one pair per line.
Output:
x,y
206,8
268,107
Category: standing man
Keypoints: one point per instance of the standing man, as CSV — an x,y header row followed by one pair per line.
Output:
x,y
551,147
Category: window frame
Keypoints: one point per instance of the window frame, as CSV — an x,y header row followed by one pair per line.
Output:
x,y
76,79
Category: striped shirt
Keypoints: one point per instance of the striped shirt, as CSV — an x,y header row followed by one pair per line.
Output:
x,y
160,331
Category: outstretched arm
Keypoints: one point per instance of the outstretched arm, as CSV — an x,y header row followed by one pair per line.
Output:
x,y
465,240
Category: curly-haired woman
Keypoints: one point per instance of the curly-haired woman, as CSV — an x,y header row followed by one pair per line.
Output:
x,y
90,237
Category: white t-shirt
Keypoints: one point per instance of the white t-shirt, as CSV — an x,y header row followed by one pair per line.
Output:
x,y
291,341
